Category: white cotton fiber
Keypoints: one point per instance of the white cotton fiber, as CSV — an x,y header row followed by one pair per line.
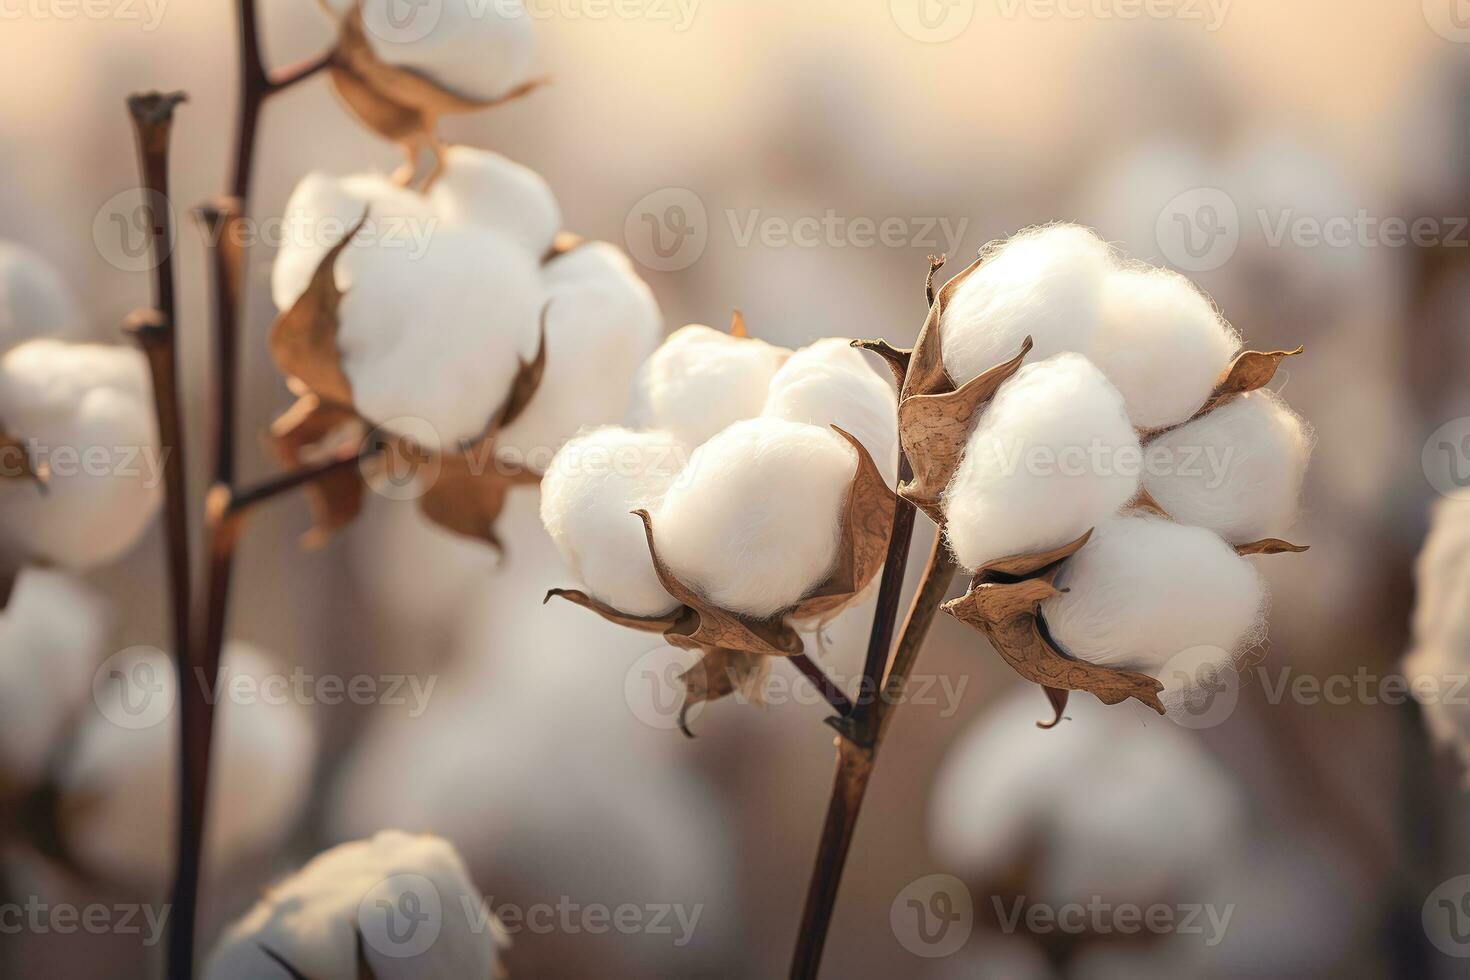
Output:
x,y
1052,455
831,383
1045,283
701,380
53,633
34,300
476,49
1440,659
754,521
485,188
601,323
1237,470
1145,590
314,918
86,411
588,497
118,785
1162,344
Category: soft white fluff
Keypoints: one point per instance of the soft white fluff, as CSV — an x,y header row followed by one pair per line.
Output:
x,y
313,919
587,499
1045,283
1056,791
1237,470
86,410
1440,658
484,188
1162,344
473,48
34,300
1052,455
53,633
602,322
753,523
700,380
1145,590
831,383
119,786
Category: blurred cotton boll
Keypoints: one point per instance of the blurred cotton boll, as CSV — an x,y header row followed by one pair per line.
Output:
x,y
1109,806
1162,344
483,188
1144,590
701,380
118,781
327,920
1237,470
34,300
588,497
87,411
53,633
1439,661
753,524
1049,459
1045,283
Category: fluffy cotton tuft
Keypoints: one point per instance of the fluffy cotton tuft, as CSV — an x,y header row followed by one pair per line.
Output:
x,y
53,632
87,411
34,300
1053,454
588,497
475,49
483,188
830,383
1237,470
314,918
753,523
1162,344
1440,657
118,784
1045,283
701,380
1145,591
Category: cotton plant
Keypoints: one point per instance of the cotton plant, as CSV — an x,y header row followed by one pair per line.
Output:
x,y
457,326
393,905
749,501
1438,662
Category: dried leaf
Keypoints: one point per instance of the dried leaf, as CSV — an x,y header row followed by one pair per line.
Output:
x,y
1145,501
1025,566
1058,696
1270,546
647,624
527,382
469,491
737,325
719,674
336,499
935,429
896,358
1252,370
303,340
926,373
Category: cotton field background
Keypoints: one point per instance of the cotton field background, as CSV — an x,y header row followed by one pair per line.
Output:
x,y
1306,164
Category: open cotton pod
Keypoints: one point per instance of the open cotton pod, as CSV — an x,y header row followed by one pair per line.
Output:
x,y
394,906
118,781
82,465
399,70
34,300
1439,662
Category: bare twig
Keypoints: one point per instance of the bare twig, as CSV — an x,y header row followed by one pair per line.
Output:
x,y
828,688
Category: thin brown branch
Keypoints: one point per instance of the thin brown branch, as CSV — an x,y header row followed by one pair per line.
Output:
x,y
221,220
828,688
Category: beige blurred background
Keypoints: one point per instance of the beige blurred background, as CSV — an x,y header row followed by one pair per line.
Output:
x,y
992,115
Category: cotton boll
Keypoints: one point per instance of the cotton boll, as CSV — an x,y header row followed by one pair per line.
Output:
x,y
1440,657
1052,455
830,383
1162,344
754,521
1145,590
601,322
118,784
481,187
34,300
1045,283
87,410
313,919
476,50
588,497
1237,470
701,380
53,632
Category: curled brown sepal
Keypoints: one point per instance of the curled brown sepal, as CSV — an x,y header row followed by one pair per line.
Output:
x,y
564,242
647,624
718,674
16,462
1250,371
737,325
296,438
1270,546
896,358
303,340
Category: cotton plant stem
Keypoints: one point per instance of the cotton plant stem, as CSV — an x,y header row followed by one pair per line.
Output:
x,y
825,685
855,759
